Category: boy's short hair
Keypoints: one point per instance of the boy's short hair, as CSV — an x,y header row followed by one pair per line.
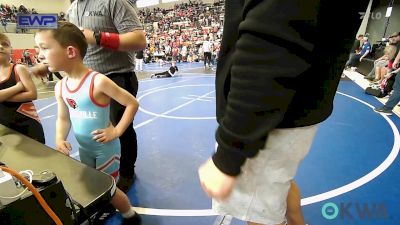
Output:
x,y
67,34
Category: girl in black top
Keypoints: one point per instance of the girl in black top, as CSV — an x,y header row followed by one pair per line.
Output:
x,y
17,91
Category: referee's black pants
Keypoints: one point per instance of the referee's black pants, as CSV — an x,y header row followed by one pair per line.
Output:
x,y
128,139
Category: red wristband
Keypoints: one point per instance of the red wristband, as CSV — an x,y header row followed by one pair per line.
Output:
x,y
109,40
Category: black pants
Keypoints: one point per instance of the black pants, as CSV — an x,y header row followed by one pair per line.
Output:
x,y
354,60
28,127
32,129
163,74
128,139
207,58
57,74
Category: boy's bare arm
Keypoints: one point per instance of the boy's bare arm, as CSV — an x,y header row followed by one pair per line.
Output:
x,y
29,92
110,89
63,124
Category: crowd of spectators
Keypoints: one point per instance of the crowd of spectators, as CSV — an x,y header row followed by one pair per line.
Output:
x,y
172,34
179,33
9,12
384,71
383,58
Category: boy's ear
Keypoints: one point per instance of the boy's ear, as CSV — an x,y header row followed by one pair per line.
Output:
x,y
72,52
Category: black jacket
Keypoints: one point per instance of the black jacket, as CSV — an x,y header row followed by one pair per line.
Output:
x,y
173,69
280,64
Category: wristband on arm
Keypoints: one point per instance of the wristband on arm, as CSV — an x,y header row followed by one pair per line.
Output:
x,y
107,40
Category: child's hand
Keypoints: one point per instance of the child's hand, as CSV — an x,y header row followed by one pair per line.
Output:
x,y
105,135
63,146
39,70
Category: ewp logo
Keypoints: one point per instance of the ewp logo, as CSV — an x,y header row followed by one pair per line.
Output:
x,y
37,21
363,211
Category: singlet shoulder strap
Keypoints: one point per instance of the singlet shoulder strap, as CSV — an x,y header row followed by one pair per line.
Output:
x,y
91,92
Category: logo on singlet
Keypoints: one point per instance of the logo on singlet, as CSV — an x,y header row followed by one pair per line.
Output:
x,y
72,103
83,114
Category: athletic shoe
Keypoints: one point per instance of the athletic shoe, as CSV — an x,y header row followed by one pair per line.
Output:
x,y
125,183
134,220
384,111
104,214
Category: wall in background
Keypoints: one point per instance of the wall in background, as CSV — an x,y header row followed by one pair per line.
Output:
x,y
21,41
377,22
17,56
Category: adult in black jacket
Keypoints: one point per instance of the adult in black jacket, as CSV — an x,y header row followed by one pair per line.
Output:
x,y
276,80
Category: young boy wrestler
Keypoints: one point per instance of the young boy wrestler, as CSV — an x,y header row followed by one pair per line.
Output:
x,y
83,98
